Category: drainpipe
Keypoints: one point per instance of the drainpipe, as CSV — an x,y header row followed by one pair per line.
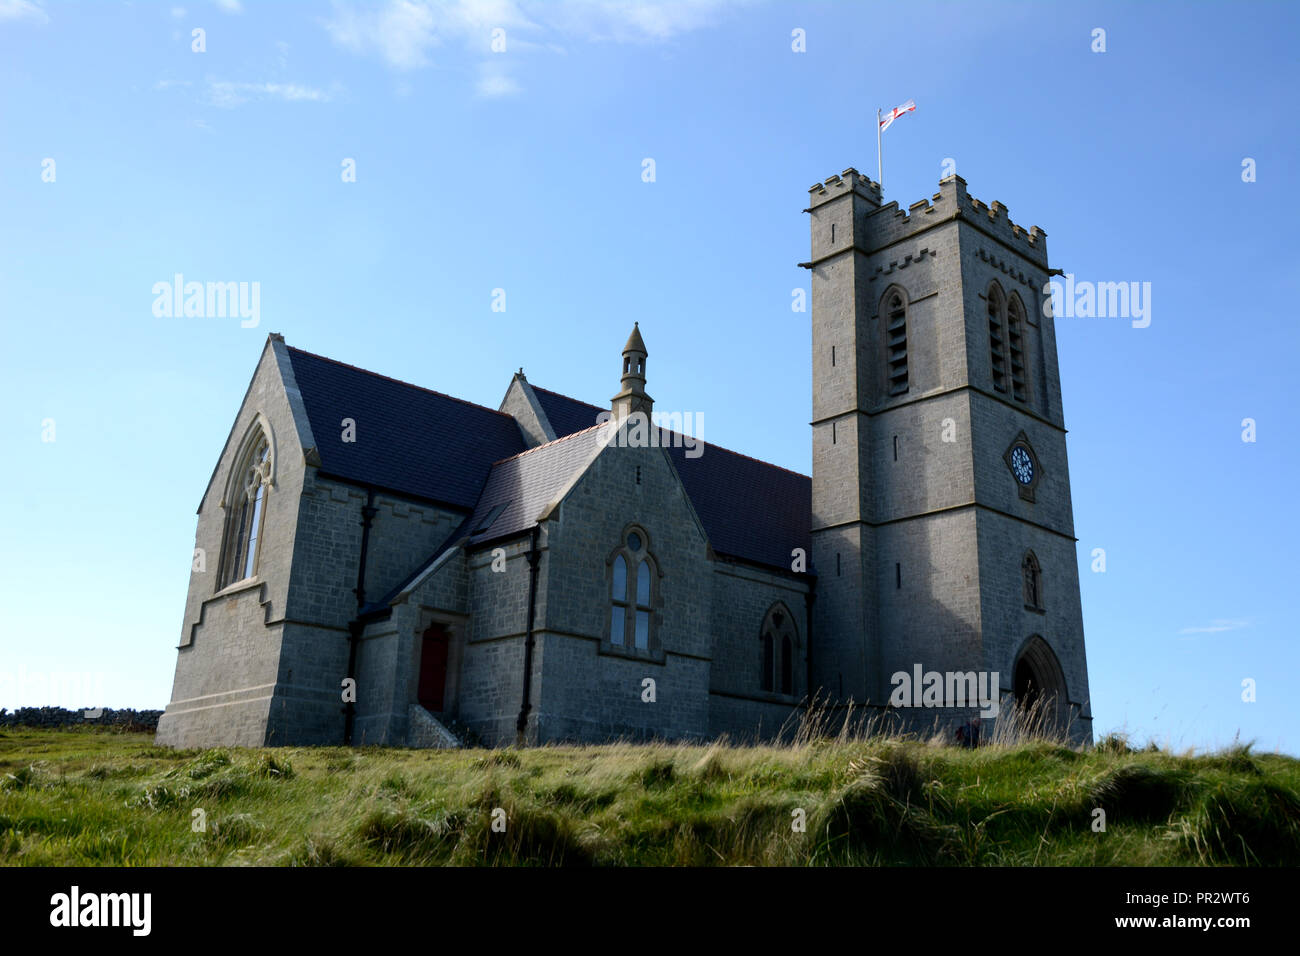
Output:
x,y
356,625
809,599
534,557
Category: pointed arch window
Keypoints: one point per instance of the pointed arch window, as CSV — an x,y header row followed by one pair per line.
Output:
x,y
779,643
1031,574
769,661
1016,349
895,313
997,307
1007,343
632,582
246,511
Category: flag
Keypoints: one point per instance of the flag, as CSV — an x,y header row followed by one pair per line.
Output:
x,y
895,113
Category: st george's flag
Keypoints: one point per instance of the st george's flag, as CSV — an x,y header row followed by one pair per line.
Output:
x,y
895,113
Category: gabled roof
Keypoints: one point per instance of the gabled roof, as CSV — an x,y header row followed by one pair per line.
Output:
x,y
423,443
750,509
408,439
520,487
567,415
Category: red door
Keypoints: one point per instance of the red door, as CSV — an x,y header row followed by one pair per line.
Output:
x,y
433,668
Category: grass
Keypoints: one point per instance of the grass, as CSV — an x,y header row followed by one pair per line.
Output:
x,y
95,796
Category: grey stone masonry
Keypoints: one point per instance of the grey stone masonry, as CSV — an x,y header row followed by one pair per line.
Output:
x,y
919,527
564,588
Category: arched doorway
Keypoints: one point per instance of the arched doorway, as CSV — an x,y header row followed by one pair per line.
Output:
x,y
1038,684
433,668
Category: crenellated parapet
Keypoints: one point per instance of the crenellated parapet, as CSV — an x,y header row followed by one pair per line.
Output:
x,y
849,181
890,224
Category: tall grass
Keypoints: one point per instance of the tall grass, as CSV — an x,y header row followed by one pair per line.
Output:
x,y
839,789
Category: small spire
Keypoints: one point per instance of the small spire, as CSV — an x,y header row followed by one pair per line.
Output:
x,y
632,396
634,341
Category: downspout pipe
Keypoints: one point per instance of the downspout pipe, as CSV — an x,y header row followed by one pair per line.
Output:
x,y
356,625
810,598
534,559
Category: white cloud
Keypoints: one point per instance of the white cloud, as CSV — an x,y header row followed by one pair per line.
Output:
x,y
1217,626
636,21
227,95
495,82
22,10
230,6
401,32
404,32
178,12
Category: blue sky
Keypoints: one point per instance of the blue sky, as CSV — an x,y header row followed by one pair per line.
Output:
x,y
522,170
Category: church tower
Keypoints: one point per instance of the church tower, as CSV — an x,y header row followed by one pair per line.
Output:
x,y
942,526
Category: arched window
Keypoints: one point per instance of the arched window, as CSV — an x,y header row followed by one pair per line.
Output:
x,y
787,665
997,307
1032,581
632,580
895,315
779,645
1016,349
769,660
245,510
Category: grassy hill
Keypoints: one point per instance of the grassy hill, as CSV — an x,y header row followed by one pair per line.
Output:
x,y
94,796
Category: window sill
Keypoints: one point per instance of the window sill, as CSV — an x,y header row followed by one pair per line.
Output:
x,y
650,655
238,586
1036,610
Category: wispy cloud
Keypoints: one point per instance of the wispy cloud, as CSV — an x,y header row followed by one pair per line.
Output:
x,y
227,94
636,21
230,6
406,33
22,10
1217,626
494,81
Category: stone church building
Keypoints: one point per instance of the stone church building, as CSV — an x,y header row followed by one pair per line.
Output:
x,y
380,563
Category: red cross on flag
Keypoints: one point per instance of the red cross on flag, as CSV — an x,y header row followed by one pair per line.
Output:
x,y
895,113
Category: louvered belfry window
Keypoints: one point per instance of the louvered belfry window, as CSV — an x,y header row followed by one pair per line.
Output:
x,y
896,342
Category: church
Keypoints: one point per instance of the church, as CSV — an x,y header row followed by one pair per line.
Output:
x,y
379,563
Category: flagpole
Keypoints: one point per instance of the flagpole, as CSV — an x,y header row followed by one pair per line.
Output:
x,y
880,162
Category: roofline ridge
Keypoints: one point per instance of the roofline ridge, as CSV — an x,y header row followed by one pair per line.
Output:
x,y
562,438
730,451
740,454
389,378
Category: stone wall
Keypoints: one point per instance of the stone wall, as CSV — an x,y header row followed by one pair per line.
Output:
x,y
128,719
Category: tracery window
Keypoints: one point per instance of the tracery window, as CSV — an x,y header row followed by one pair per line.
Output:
x,y
779,641
245,512
632,583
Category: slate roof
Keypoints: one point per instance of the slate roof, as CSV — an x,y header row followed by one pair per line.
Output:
x,y
567,415
429,445
750,509
409,439
523,485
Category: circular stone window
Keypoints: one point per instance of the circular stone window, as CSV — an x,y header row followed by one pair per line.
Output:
x,y
634,541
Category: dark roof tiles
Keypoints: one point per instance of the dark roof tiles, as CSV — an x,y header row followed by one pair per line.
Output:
x,y
408,439
429,445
